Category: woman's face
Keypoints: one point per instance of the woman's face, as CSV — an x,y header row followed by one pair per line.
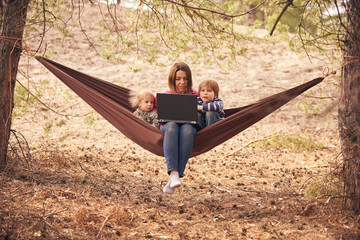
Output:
x,y
181,82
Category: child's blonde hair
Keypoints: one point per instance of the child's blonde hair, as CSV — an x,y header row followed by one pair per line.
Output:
x,y
135,99
212,84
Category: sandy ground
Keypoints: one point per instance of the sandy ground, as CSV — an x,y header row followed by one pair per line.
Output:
x,y
84,180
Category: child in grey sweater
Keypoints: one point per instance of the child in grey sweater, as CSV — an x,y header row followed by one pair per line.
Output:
x,y
144,103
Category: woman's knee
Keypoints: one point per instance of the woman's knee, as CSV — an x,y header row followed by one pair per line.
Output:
x,y
172,126
188,130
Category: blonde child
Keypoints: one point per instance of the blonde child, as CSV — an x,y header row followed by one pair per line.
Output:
x,y
144,103
210,107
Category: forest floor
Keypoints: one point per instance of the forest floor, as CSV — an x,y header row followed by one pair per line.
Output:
x,y
75,176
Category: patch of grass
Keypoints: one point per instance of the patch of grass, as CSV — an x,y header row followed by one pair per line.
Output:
x,y
21,99
293,142
85,135
19,111
121,83
65,31
61,122
90,120
44,82
48,53
81,179
64,137
47,127
69,95
135,68
308,107
329,185
107,53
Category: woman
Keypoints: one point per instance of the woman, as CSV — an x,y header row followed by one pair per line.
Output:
x,y
178,138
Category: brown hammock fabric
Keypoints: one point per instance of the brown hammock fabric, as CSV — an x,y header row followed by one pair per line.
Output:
x,y
112,102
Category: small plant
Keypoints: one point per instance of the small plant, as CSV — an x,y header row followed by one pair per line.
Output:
x,y
44,81
329,185
19,111
47,127
48,53
107,53
121,83
69,95
90,120
308,107
21,94
135,68
81,179
21,99
85,135
61,122
65,31
64,137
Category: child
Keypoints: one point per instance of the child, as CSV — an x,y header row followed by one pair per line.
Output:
x,y
144,102
210,107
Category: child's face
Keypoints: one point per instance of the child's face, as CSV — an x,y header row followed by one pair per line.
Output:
x,y
147,104
207,94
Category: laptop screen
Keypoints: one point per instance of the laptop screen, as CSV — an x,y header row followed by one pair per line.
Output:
x,y
181,108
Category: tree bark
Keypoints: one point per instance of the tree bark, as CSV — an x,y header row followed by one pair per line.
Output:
x,y
349,109
12,24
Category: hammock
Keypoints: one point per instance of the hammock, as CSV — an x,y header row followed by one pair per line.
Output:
x,y
112,102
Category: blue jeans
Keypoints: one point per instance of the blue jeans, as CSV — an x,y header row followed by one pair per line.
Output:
x,y
178,143
207,118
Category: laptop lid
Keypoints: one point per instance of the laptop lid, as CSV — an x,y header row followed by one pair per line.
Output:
x,y
181,108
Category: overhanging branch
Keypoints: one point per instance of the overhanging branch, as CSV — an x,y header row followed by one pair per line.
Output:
x,y
289,2
216,12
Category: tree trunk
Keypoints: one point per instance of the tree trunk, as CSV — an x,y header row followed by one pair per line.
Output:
x,y
349,109
12,23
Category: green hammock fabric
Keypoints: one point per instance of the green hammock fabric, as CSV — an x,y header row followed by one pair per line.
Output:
x,y
112,102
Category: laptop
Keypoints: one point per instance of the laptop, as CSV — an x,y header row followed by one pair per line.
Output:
x,y
180,108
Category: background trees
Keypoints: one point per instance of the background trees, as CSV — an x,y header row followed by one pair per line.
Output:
x,y
12,24
349,109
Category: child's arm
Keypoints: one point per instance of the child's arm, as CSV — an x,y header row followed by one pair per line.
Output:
x,y
154,118
149,117
216,106
199,104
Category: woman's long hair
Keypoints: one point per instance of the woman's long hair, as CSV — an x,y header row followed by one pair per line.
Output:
x,y
179,66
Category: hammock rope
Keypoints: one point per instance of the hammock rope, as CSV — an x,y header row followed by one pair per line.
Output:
x,y
112,102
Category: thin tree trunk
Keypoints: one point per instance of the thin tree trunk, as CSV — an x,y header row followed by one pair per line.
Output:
x,y
349,109
13,19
